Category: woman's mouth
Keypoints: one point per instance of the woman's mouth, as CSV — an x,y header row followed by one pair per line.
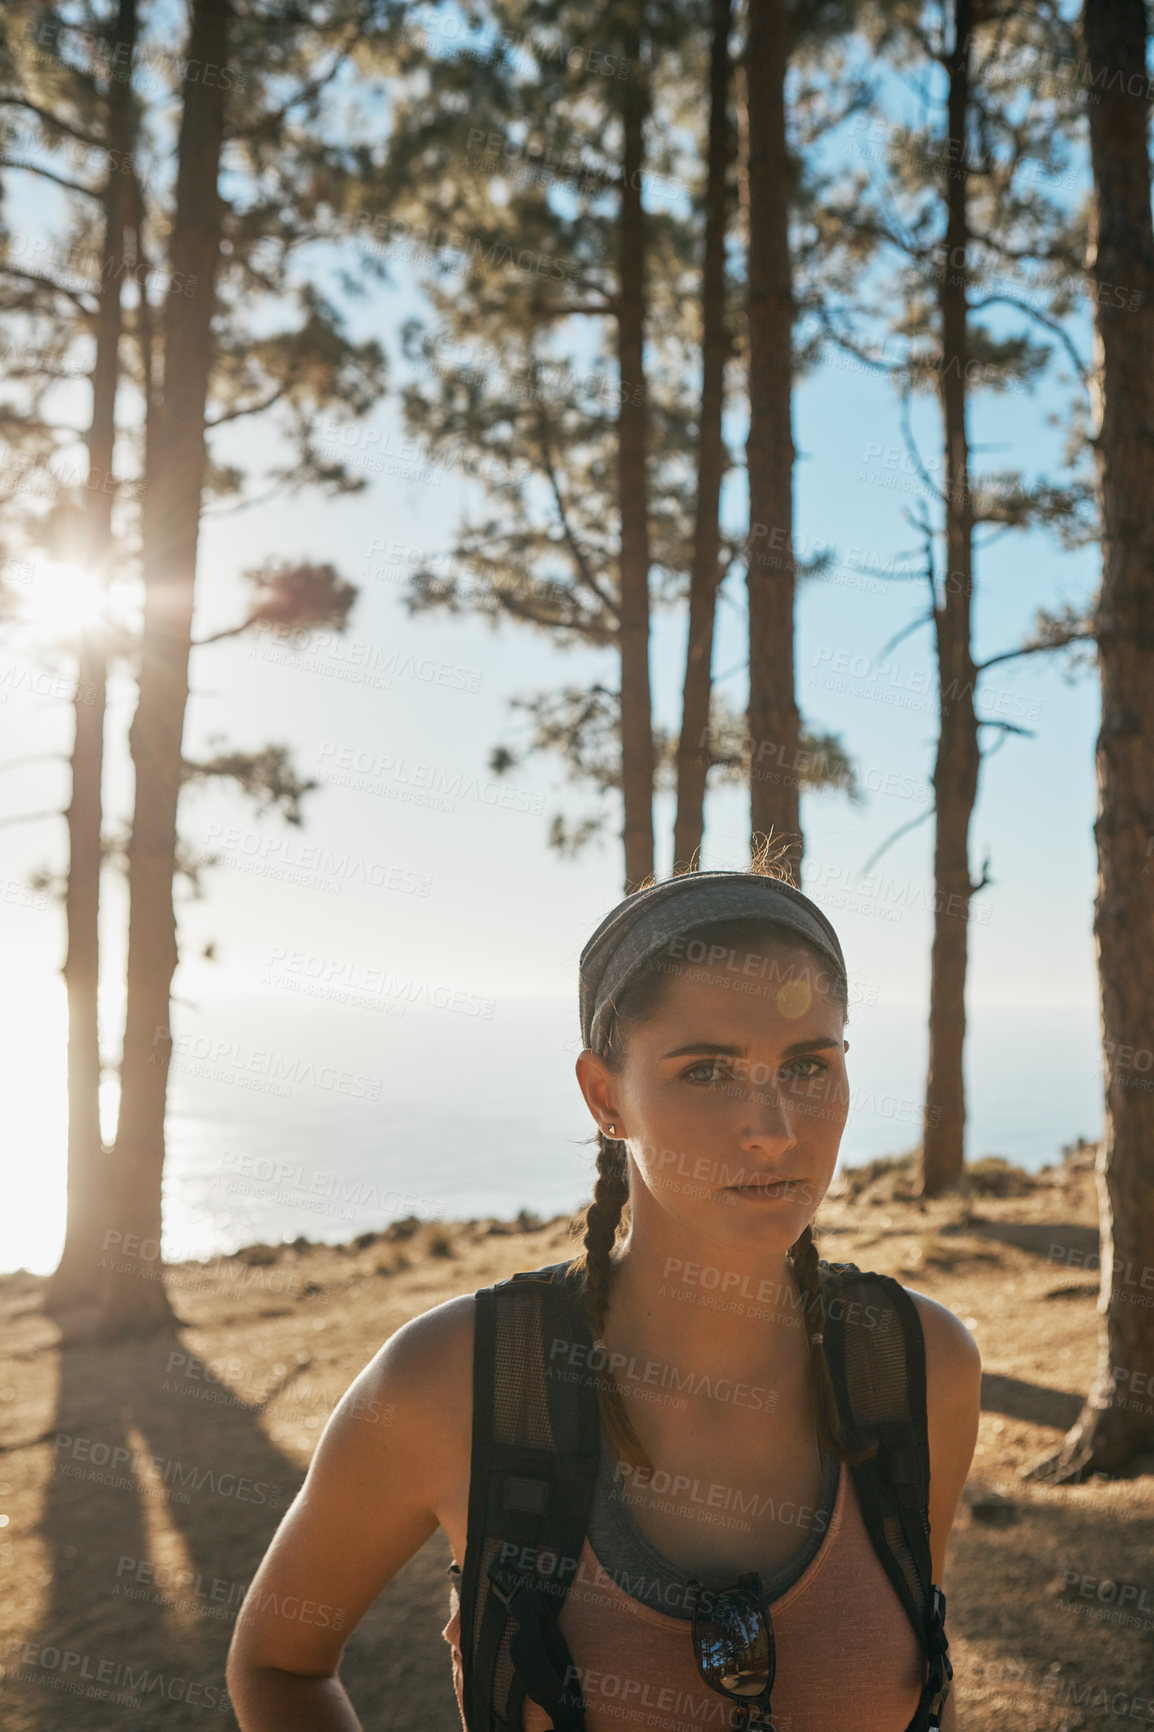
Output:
x,y
766,1190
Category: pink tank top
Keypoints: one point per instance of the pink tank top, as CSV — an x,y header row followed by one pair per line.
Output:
x,y
847,1655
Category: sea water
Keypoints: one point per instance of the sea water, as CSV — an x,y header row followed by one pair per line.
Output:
x,y
455,1116
285,1120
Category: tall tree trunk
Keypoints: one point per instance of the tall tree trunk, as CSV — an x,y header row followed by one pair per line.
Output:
x,y
1117,1422
632,478
693,751
171,522
76,1279
956,766
773,717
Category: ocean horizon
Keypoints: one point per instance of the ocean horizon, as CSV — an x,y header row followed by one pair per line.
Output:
x,y
285,1123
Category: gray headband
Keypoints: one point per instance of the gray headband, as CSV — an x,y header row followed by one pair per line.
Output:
x,y
645,922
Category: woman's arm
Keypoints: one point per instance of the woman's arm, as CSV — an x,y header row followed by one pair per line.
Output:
x,y
953,1405
390,1457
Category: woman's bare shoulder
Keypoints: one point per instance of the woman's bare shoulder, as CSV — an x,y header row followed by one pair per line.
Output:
x,y
446,1328
950,1347
430,1357
408,1415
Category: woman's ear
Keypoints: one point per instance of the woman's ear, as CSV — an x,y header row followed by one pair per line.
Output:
x,y
598,1085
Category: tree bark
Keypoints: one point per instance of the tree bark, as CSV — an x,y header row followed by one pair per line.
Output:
x,y
133,1302
632,480
956,766
693,753
773,716
1116,1425
76,1279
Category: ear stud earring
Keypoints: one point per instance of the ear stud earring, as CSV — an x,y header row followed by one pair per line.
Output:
x,y
610,1130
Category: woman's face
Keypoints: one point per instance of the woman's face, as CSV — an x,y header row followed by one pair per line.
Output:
x,y
735,1079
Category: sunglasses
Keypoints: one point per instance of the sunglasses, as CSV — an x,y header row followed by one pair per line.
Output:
x,y
734,1647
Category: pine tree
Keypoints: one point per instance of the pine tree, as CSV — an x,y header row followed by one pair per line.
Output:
x,y
774,724
94,107
957,207
693,750
511,387
207,370
300,175
578,436
1116,1426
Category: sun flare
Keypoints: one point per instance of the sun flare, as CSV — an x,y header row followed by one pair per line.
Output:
x,y
64,598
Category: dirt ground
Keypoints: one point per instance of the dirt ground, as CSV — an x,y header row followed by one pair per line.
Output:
x,y
139,1485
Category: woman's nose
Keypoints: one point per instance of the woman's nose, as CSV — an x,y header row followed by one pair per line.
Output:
x,y
766,1119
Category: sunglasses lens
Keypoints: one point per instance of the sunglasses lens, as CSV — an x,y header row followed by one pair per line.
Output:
x,y
735,1645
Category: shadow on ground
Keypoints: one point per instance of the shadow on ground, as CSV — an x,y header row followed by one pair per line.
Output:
x,y
1018,1399
158,1509
1051,1239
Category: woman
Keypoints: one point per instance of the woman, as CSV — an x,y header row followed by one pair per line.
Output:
x,y
713,1010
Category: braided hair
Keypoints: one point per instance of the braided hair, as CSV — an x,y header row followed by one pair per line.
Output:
x,y
602,1222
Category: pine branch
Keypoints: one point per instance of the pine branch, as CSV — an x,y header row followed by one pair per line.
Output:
x,y
1030,255
269,125
901,830
57,179
905,632
1050,324
912,447
40,282
51,121
267,776
250,409
275,492
297,596
571,542
841,341
1059,640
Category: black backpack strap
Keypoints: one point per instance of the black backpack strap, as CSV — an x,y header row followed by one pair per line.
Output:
x,y
533,1468
875,1349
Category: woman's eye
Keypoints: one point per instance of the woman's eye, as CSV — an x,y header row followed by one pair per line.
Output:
x,y
799,1067
712,1068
